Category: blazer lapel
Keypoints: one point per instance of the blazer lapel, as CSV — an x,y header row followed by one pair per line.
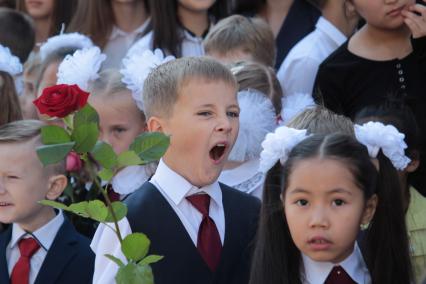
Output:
x,y
59,254
4,240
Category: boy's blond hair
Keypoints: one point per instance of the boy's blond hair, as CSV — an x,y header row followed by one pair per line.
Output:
x,y
252,75
251,35
163,85
23,131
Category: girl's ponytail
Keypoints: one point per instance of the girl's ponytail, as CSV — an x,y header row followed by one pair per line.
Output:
x,y
385,246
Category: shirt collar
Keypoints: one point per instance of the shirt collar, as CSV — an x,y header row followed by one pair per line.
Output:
x,y
331,31
44,235
177,187
317,272
117,32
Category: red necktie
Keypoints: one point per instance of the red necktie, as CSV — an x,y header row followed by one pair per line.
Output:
x,y
339,276
112,195
208,244
21,270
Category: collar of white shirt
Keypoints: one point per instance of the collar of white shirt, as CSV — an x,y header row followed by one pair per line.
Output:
x,y
44,235
116,32
317,272
330,30
177,187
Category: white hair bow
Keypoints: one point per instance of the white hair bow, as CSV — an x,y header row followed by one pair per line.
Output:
x,y
377,136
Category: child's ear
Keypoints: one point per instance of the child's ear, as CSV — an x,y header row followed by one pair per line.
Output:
x,y
412,166
56,186
369,210
350,10
155,124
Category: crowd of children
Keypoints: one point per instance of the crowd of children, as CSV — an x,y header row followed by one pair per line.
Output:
x,y
297,139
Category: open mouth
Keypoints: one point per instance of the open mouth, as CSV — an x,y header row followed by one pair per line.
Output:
x,y
5,204
319,243
218,152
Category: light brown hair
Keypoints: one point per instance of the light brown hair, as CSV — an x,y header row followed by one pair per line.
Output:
x,y
162,86
251,75
251,35
319,120
23,131
9,101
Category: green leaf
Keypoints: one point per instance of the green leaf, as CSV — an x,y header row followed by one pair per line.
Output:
x,y
104,155
97,210
150,259
53,204
134,274
128,158
52,134
85,137
52,154
115,259
120,210
135,246
86,115
106,174
79,209
150,146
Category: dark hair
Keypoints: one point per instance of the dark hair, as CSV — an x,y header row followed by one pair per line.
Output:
x,y
17,33
247,7
385,246
63,10
165,23
95,18
9,102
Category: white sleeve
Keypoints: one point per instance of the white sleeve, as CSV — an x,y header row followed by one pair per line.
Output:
x,y
105,241
298,76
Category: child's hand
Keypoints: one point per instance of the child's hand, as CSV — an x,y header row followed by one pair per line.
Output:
x,y
415,19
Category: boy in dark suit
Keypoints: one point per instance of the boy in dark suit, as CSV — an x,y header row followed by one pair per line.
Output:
x,y
204,229
41,246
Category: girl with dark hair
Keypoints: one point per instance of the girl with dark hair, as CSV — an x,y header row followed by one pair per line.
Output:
x,y
315,203
179,26
49,16
414,203
113,25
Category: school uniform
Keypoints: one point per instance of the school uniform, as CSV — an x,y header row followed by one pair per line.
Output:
x,y
160,209
119,43
191,45
246,178
63,256
306,56
354,267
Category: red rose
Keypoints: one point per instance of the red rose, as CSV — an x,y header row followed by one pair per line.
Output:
x,y
61,100
73,162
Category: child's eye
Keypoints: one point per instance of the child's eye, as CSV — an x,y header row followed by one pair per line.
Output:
x,y
204,113
338,202
119,130
12,177
233,113
302,202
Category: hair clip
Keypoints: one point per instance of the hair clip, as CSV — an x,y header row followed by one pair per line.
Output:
x,y
81,67
278,145
76,40
257,118
376,136
137,66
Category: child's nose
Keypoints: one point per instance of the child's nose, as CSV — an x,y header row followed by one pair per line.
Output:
x,y
319,218
224,125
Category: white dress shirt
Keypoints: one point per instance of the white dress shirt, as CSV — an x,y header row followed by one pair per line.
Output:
x,y
317,272
119,43
246,178
191,45
298,71
44,236
174,189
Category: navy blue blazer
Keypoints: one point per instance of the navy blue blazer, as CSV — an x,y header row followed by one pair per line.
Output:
x,y
151,214
68,261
